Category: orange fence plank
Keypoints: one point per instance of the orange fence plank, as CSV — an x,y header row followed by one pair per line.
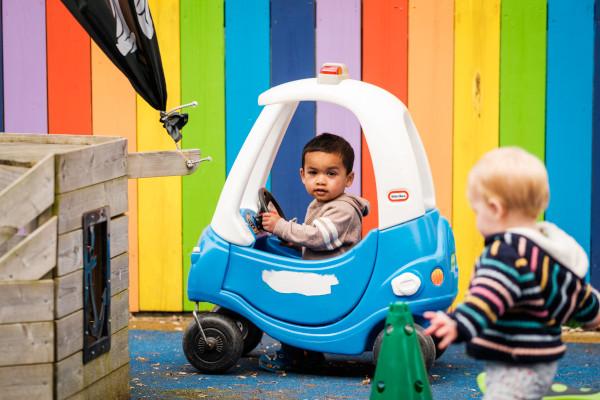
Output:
x,y
69,72
385,64
430,74
114,114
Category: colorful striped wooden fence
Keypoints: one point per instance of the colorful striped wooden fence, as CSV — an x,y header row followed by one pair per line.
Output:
x,y
475,74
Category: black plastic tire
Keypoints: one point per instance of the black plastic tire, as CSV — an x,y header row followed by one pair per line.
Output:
x,y
425,342
250,333
438,351
226,339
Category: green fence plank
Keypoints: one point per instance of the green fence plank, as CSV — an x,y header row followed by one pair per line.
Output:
x,y
523,75
202,79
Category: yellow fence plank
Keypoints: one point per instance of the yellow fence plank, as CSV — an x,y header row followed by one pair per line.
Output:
x,y
476,113
159,199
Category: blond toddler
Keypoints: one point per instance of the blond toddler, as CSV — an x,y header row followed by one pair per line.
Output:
x,y
528,281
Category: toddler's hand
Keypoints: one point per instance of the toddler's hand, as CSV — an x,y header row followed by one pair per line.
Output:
x,y
269,220
442,326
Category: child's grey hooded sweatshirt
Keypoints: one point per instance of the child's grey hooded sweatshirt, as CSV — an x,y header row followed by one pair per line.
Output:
x,y
330,228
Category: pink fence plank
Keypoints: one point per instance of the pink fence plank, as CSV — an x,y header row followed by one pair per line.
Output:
x,y
24,34
339,40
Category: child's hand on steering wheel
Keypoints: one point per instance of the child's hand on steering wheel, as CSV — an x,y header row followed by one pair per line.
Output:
x,y
269,220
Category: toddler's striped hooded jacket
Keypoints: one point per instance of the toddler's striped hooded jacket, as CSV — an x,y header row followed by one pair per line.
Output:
x,y
526,284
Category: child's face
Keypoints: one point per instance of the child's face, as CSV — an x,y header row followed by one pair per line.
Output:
x,y
488,213
324,175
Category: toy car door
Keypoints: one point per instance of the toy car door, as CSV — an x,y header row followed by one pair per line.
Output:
x,y
314,292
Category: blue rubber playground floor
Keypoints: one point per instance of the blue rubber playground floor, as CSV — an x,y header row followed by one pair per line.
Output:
x,y
159,370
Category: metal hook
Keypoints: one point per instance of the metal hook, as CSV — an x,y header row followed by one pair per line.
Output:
x,y
192,163
191,104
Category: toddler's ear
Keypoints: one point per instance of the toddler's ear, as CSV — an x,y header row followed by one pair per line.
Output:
x,y
497,208
350,179
302,174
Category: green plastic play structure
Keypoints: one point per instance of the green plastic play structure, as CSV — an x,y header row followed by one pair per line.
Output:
x,y
400,371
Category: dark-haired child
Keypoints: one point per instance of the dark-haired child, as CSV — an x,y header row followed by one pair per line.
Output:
x,y
333,222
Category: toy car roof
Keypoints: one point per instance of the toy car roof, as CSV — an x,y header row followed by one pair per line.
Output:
x,y
402,174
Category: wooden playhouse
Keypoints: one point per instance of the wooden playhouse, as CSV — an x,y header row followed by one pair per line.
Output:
x,y
64,264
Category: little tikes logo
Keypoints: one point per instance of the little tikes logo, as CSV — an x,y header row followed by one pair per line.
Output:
x,y
398,195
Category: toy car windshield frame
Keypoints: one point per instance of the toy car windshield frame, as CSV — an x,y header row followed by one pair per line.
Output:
x,y
402,174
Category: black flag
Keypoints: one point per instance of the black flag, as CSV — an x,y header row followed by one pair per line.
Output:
x,y
124,30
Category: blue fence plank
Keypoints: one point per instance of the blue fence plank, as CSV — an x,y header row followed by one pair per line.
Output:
x,y
292,57
569,115
595,225
246,68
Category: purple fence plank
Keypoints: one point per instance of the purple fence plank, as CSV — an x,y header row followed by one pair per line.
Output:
x,y
338,40
24,54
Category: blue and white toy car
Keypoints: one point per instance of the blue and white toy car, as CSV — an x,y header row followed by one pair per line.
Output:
x,y
335,305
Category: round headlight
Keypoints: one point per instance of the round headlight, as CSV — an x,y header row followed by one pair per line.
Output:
x,y
437,276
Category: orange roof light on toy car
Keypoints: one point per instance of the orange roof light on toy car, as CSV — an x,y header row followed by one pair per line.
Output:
x,y
332,73
331,69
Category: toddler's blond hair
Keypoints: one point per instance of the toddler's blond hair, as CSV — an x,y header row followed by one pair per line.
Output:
x,y
516,178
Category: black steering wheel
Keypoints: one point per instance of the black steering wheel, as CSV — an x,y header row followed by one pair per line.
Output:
x,y
264,199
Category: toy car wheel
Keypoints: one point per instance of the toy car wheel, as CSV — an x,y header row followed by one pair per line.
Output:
x,y
250,333
425,341
438,351
222,347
